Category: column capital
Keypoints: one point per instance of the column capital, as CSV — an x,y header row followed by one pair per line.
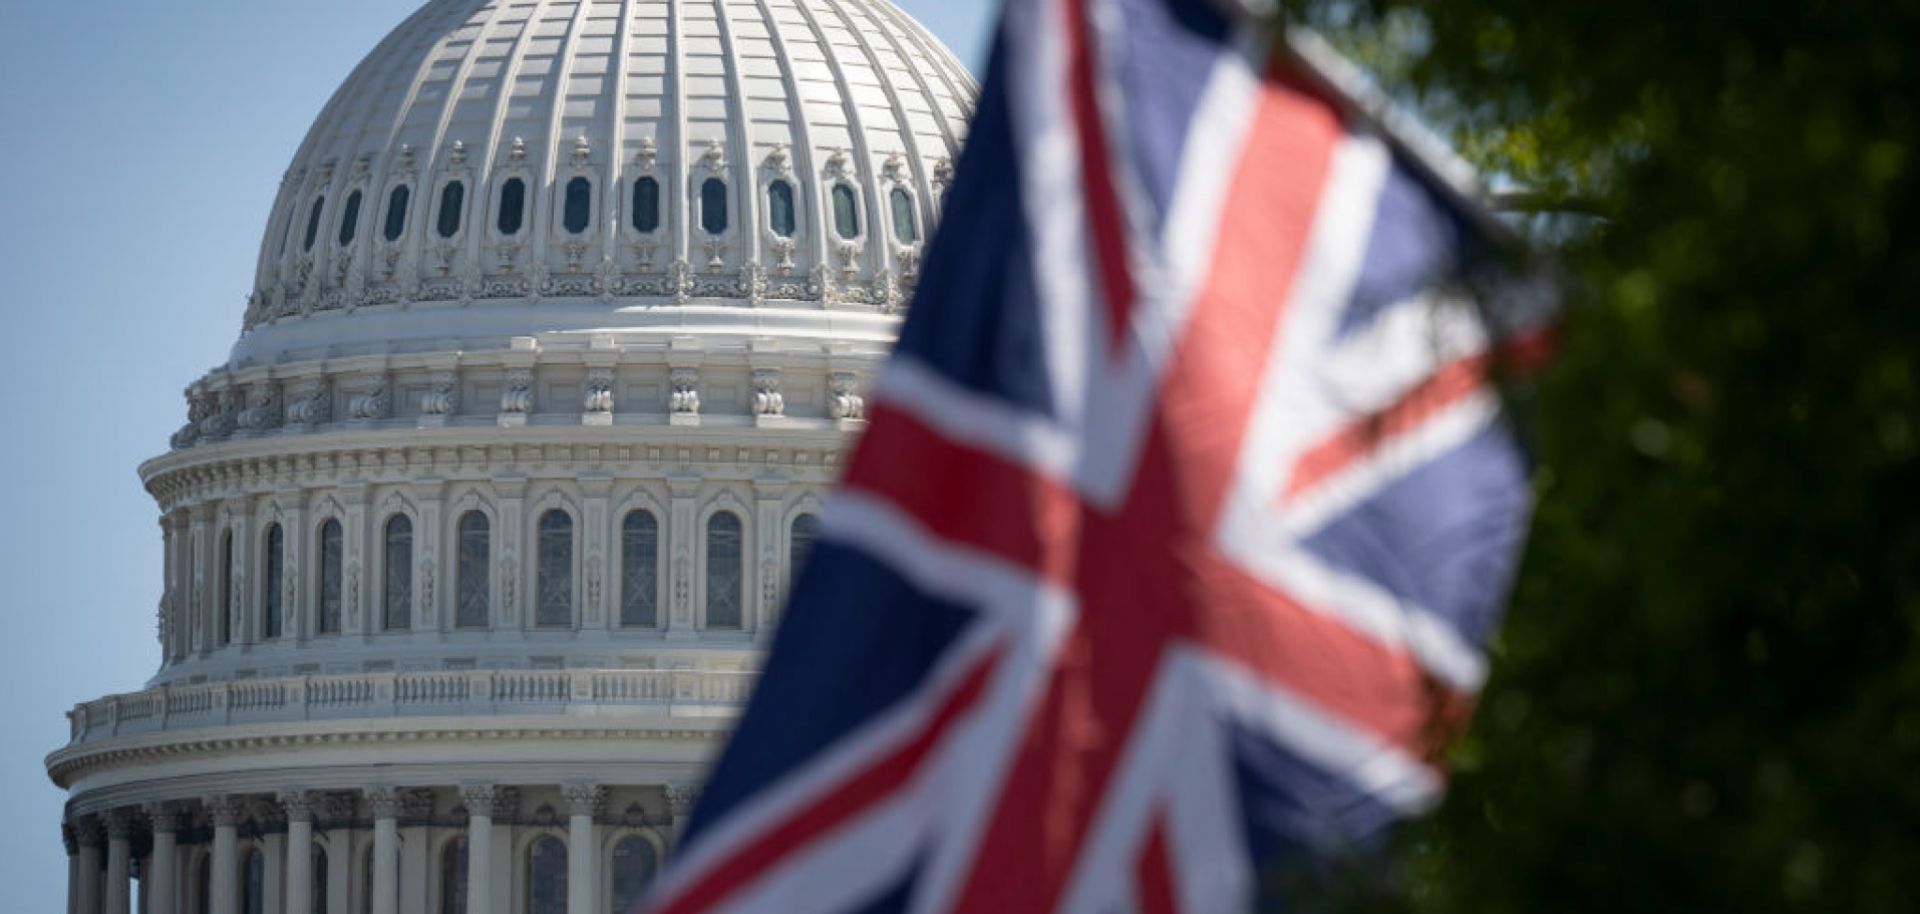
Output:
x,y
89,831
225,811
122,822
492,800
584,799
298,805
681,799
384,801
70,836
165,816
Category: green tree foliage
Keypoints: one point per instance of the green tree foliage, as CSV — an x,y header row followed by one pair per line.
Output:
x,y
1707,696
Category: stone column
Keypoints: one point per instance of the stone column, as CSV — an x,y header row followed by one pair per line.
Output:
x,y
91,836
71,837
299,807
203,568
416,815
583,852
163,866
119,892
480,800
680,801
227,814
682,544
386,856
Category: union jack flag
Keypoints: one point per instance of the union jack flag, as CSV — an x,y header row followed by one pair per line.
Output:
x,y
1183,515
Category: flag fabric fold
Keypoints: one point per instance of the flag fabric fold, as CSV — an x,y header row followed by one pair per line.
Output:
x,y
1184,514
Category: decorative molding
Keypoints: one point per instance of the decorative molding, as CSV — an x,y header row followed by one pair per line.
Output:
x,y
298,805
584,799
225,811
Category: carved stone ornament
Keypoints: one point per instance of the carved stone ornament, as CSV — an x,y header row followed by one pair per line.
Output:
x,y
383,801
516,398
715,158
599,397
682,588
373,401
443,396
479,798
584,799
767,398
685,399
298,805
225,811
310,405
846,402
680,278
649,154
263,408
681,799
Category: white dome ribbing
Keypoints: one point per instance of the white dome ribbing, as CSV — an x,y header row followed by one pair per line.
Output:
x,y
818,93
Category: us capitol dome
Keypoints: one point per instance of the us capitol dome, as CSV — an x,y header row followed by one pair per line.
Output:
x,y
559,331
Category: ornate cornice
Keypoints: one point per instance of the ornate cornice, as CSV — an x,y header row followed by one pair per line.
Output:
x,y
67,766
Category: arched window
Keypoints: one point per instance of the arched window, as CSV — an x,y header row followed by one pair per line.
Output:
x,y
275,578
634,863
313,222
547,876
724,582
224,624
513,206
397,212
319,879
579,209
646,205
639,570
254,892
806,528
453,199
713,206
846,211
453,877
473,597
350,220
906,228
780,208
397,607
553,567
332,588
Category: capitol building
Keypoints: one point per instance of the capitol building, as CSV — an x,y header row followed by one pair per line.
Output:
x,y
558,336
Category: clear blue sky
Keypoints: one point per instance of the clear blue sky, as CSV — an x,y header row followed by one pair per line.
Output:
x,y
141,142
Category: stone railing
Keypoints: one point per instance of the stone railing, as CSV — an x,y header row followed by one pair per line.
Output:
x,y
436,694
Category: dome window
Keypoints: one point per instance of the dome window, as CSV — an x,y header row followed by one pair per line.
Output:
x,y
780,208
332,552
513,206
397,612
724,571
639,570
846,211
634,863
313,223
225,622
397,212
646,205
806,529
350,220
553,593
906,228
453,199
453,877
271,611
713,206
547,876
472,596
579,209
